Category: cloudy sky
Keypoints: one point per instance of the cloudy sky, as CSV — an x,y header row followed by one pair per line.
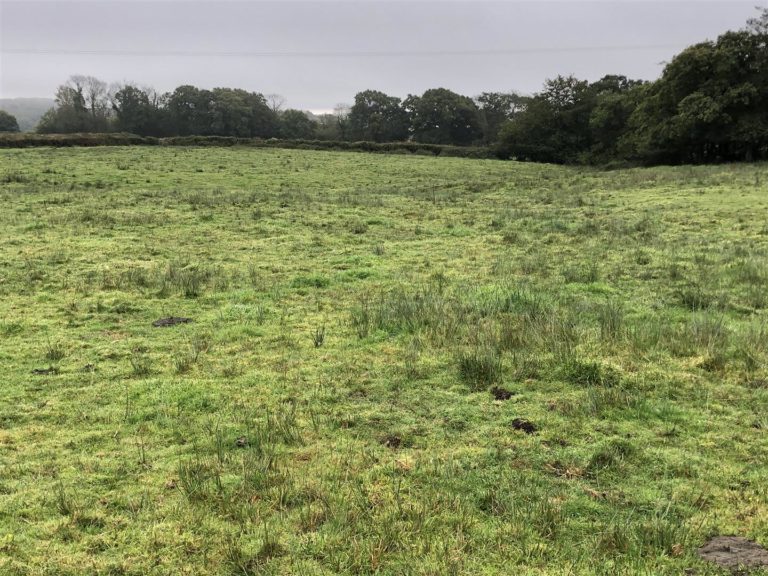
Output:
x,y
320,53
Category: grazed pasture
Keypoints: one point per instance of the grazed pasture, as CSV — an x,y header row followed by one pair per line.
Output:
x,y
395,364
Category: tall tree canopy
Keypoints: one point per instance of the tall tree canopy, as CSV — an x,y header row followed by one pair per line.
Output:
x,y
377,117
296,125
81,106
710,104
189,110
497,108
571,120
220,112
440,116
135,112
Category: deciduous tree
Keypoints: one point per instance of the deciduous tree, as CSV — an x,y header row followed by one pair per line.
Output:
x,y
377,117
296,125
440,116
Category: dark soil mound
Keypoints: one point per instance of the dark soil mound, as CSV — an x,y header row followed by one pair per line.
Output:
x,y
45,371
734,552
170,321
524,425
392,441
501,394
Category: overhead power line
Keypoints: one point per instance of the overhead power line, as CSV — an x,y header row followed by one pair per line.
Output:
x,y
333,53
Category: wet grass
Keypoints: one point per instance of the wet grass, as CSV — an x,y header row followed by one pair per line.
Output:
x,y
396,365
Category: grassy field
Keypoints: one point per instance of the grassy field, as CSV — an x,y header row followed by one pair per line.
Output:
x,y
396,364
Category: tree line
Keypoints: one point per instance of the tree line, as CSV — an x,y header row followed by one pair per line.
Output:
x,y
709,105
439,116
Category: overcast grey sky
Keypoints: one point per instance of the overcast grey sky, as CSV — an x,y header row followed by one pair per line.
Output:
x,y
320,53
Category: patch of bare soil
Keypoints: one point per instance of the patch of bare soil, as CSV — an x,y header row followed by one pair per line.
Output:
x,y
170,321
241,442
734,552
392,441
45,371
501,393
524,425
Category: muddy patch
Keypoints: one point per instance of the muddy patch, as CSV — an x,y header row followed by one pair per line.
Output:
x,y
45,371
170,321
734,552
392,441
525,425
501,393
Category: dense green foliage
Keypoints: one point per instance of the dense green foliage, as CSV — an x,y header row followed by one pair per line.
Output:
x,y
296,125
571,121
440,116
710,105
396,364
8,122
378,118
497,109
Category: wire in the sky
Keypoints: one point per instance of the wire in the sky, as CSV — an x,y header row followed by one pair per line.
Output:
x,y
331,53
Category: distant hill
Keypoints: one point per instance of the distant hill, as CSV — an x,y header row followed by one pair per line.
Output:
x,y
28,111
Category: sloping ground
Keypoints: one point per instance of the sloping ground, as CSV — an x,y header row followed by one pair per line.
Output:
x,y
396,365
27,111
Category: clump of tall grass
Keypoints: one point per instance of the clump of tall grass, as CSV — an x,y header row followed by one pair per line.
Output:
x,y
752,346
189,279
310,281
318,336
708,332
423,310
243,563
358,227
646,333
611,456
610,317
65,503
411,358
638,538
600,400
141,362
589,373
93,216
54,351
646,228
697,297
757,297
480,367
188,357
14,177
581,273
255,276
751,271
536,324
132,277
196,477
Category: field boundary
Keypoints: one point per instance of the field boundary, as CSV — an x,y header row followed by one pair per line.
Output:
x,y
125,139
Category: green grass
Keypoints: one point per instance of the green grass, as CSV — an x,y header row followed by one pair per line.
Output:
x,y
328,411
